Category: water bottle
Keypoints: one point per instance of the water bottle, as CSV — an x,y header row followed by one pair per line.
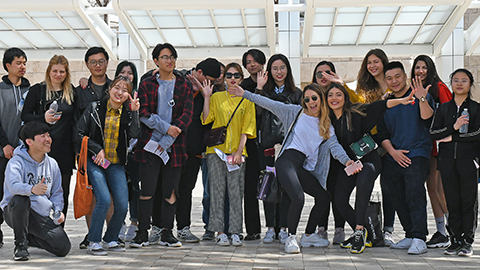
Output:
x,y
464,127
53,109
56,216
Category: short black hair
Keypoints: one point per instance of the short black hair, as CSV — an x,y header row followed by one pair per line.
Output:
x,y
393,65
257,55
10,55
95,50
32,129
160,47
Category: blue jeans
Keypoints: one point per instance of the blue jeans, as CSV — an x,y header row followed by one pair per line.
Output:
x,y
106,182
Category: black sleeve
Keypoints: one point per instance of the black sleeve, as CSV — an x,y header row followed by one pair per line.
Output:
x,y
439,129
374,114
3,136
32,109
473,134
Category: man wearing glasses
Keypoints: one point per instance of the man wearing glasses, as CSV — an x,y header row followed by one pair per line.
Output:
x,y
96,60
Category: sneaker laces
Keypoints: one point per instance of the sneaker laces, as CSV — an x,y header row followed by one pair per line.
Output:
x,y
357,235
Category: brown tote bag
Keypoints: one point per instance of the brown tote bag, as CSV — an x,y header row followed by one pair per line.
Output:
x,y
82,198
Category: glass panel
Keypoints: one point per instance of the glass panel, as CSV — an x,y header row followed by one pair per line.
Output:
x,y
345,35
227,12
137,13
179,37
20,23
3,27
438,17
325,10
257,37
167,12
375,18
428,33
67,13
416,8
233,37
402,34
195,12
205,37
352,10
320,35
383,9
35,14
39,39
350,18
169,21
229,20
254,11
11,15
324,19
75,22
50,23
374,34
255,20
411,17
67,39
142,22
199,21
444,8
152,37
89,38
12,39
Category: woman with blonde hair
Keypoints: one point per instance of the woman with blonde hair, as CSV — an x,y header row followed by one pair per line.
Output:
x,y
56,88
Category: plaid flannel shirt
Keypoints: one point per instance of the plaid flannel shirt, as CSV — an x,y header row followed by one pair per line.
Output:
x,y
181,115
112,126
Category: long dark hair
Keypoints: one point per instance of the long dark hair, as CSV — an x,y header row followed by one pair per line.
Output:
x,y
348,106
366,83
289,82
432,75
323,63
469,75
125,63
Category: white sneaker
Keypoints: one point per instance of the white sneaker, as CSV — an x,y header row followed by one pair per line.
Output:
x,y
113,246
388,238
405,243
96,249
121,234
313,240
269,236
222,240
236,240
417,247
155,235
283,235
130,233
291,245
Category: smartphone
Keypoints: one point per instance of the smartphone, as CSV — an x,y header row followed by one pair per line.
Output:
x,y
352,168
57,114
105,164
269,152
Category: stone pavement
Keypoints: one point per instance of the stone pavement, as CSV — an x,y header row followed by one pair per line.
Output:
x,y
252,255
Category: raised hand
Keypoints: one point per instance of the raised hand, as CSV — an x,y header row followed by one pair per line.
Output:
x,y
196,85
134,102
40,188
334,78
207,88
418,87
236,91
262,77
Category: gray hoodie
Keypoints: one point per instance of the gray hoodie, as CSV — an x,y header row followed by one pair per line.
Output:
x,y
23,173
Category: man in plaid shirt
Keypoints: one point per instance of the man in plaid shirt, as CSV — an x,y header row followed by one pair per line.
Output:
x,y
166,100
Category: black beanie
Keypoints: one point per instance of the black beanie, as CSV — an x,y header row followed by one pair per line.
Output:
x,y
210,67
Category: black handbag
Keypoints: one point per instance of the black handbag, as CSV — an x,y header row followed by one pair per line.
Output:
x,y
268,188
216,136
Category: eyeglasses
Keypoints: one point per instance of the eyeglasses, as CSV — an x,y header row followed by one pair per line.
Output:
x,y
307,99
229,75
166,57
320,73
464,81
100,62
282,68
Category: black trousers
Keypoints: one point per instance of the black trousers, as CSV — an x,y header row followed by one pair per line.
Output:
x,y
250,201
185,188
460,184
295,180
38,231
3,166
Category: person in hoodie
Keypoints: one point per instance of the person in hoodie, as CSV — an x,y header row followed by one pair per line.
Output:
x,y
13,90
33,188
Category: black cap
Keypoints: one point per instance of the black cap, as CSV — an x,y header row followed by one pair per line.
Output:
x,y
210,67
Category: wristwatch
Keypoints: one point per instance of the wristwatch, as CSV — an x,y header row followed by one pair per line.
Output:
x,y
423,99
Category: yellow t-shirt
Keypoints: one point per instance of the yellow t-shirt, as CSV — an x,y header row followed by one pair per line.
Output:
x,y
222,106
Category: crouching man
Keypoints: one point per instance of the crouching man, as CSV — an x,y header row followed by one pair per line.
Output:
x,y
33,188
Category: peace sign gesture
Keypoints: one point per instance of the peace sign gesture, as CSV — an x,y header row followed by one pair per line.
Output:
x,y
134,102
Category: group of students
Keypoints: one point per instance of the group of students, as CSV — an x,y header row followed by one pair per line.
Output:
x,y
146,146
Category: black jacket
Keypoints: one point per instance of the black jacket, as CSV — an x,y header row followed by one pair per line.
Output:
x,y
462,146
88,95
92,124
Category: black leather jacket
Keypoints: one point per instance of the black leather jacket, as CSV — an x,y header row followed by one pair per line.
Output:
x,y
92,124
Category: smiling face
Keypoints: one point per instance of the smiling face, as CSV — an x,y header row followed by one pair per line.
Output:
x,y
374,65
396,81
323,81
312,102
421,70
335,99
40,144
253,67
279,72
461,84
18,67
57,75
127,72
97,64
118,93
232,80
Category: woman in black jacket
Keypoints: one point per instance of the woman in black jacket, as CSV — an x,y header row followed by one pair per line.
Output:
x,y
351,123
109,124
56,87
458,161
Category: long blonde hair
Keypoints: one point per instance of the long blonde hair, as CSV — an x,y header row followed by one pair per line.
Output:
x,y
324,119
66,84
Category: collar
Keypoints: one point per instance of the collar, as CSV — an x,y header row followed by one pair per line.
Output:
x,y
111,109
280,89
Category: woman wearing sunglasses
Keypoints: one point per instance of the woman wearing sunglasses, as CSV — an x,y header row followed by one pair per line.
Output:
x,y
277,84
351,123
325,74
219,108
304,159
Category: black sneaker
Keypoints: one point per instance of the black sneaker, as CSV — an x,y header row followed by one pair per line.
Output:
x,y
168,239
140,240
84,244
252,236
359,239
1,239
454,248
121,242
20,252
347,243
438,240
465,250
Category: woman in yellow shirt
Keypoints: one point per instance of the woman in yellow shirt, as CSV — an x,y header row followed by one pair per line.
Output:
x,y
219,108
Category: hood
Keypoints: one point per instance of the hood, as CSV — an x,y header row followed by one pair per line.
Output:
x,y
24,83
23,152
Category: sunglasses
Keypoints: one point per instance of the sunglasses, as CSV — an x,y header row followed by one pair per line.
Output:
x,y
307,99
320,73
229,75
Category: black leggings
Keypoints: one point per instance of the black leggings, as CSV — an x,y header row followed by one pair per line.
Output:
x,y
295,180
364,181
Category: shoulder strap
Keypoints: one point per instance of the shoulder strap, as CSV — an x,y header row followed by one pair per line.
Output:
x,y
234,112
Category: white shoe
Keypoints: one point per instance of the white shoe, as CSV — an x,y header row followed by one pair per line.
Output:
x,y
222,240
269,236
113,246
417,247
130,233
96,249
283,235
121,234
388,238
313,240
405,243
291,245
155,235
236,240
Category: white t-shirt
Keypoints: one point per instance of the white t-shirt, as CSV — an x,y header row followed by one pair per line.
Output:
x,y
307,139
